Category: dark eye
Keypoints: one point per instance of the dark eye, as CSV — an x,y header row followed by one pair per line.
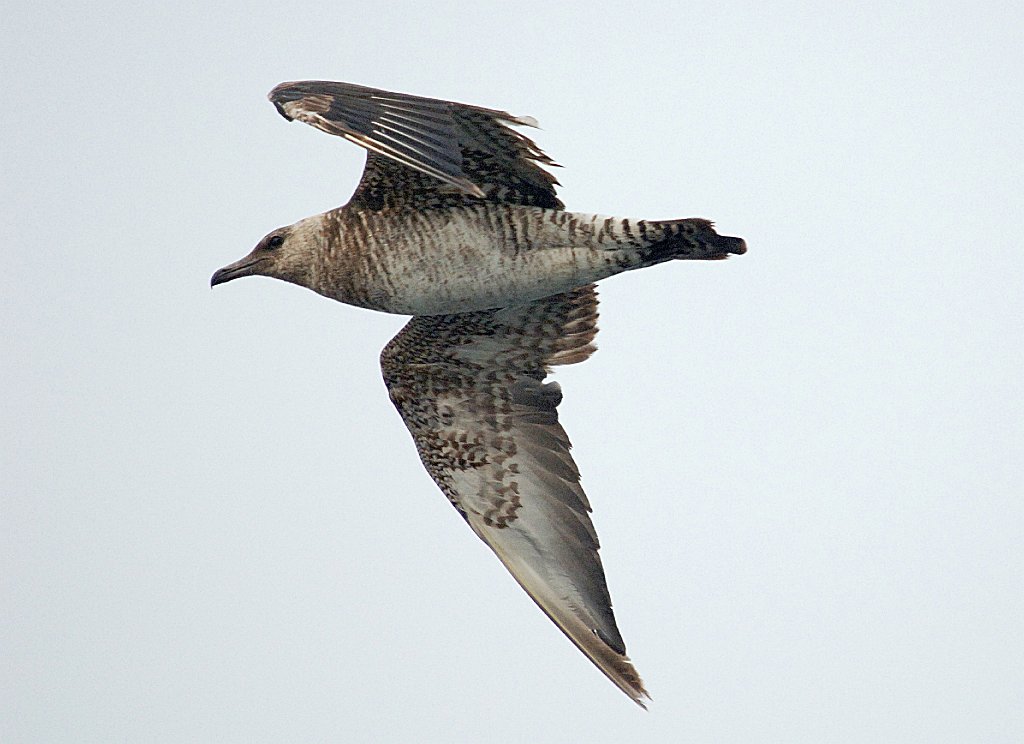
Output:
x,y
275,241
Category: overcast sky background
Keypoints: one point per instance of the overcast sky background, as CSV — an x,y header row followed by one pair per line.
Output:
x,y
805,462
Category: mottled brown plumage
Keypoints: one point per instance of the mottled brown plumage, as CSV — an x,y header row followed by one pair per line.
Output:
x,y
470,388
456,222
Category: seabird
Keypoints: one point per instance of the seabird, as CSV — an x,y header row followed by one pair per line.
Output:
x,y
456,222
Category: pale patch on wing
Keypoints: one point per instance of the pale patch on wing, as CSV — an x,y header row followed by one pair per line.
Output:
x,y
470,388
425,144
468,152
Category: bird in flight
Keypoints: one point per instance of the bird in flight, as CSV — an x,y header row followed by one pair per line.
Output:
x,y
456,222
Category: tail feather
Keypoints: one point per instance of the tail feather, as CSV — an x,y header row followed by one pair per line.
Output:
x,y
692,238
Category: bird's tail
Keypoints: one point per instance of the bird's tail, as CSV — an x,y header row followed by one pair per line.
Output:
x,y
692,238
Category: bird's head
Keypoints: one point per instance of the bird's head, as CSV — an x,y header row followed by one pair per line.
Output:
x,y
287,253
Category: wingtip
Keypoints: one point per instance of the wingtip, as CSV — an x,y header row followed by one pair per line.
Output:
x,y
278,97
275,92
626,678
631,684
639,699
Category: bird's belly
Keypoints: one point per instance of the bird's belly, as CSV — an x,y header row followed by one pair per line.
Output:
x,y
459,282
473,260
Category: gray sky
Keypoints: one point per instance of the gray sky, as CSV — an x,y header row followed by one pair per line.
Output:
x,y
805,462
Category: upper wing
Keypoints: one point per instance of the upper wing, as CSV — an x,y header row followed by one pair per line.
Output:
x,y
470,388
424,151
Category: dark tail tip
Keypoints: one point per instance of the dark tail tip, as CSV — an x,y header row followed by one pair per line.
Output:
x,y
736,246
693,239
722,246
